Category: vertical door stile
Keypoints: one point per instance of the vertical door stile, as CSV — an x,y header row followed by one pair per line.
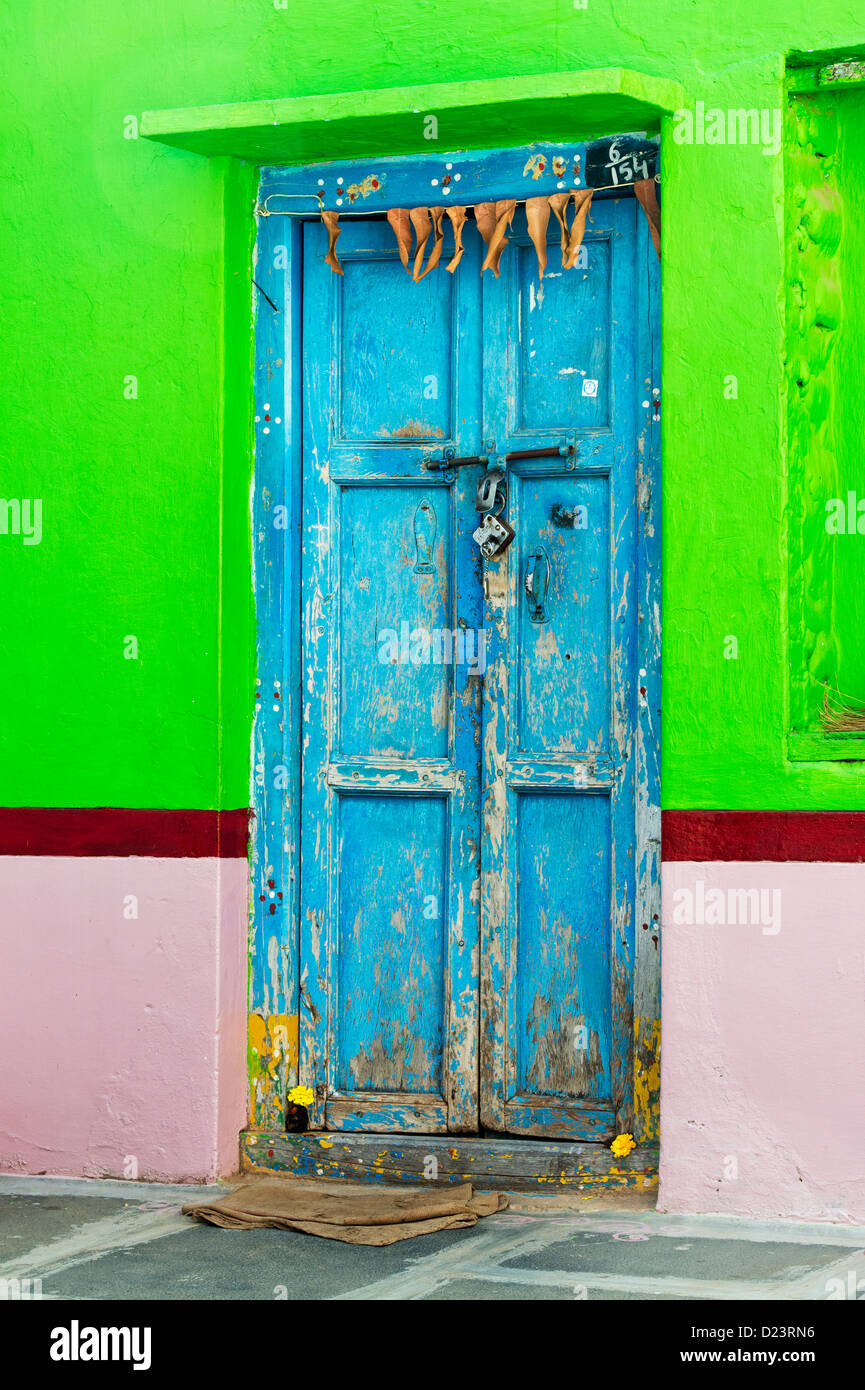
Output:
x,y
625,680
647,910
462,966
496,888
317,795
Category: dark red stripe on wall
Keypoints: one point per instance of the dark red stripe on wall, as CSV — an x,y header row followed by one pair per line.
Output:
x,y
809,836
832,837
107,831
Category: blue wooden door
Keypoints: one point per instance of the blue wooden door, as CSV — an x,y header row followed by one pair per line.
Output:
x,y
391,722
560,692
469,730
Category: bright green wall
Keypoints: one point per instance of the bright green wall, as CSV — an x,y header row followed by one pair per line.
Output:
x,y
125,257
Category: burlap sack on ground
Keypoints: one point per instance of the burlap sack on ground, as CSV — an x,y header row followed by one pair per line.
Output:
x,y
355,1212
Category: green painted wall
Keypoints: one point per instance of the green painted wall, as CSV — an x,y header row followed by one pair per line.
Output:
x,y
122,257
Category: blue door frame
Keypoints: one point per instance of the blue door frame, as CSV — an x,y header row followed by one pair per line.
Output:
x,y
276,996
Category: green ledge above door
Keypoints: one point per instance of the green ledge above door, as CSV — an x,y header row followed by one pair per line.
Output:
x,y
471,115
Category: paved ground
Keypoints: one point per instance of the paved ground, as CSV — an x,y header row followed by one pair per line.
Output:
x,y
101,1240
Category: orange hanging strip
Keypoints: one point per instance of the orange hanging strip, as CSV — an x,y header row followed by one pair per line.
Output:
x,y
538,217
493,224
330,220
647,196
458,218
401,224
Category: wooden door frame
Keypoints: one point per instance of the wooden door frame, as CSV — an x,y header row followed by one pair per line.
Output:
x,y
276,992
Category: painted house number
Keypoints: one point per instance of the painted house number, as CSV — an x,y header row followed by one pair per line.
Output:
x,y
625,167
622,160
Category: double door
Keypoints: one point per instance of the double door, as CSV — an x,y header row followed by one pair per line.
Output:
x,y
468,723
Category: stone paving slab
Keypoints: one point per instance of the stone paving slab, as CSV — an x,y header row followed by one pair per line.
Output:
x,y
662,1256
26,1222
480,1290
207,1262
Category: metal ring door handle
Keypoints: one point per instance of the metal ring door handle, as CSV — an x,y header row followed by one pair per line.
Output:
x,y
537,583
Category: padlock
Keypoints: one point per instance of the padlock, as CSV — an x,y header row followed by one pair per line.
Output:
x,y
492,493
493,536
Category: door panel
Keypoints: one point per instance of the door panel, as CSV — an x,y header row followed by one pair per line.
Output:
x,y
390,759
391,958
563,678
388,707
564,324
563,963
390,338
558,814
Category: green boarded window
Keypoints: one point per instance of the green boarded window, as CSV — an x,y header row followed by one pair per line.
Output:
x,y
825,227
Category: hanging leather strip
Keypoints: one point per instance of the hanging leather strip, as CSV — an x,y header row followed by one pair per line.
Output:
x,y
558,206
538,217
330,220
458,218
485,216
437,215
504,210
401,224
582,202
648,198
422,223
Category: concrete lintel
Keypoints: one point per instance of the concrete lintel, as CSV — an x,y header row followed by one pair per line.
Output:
x,y
390,120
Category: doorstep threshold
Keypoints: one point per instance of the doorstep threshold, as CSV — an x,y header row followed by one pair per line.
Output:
x,y
505,1165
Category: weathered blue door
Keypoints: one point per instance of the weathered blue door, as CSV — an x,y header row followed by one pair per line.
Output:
x,y
469,725
391,743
